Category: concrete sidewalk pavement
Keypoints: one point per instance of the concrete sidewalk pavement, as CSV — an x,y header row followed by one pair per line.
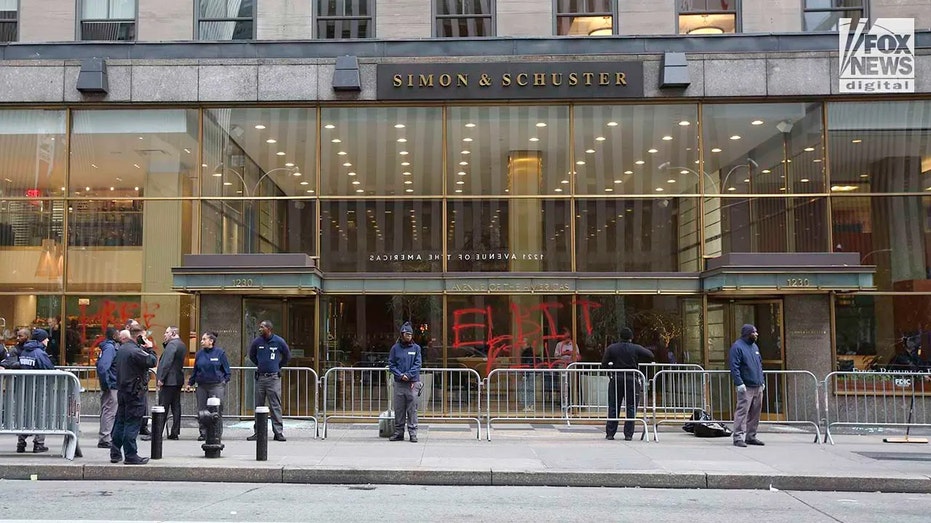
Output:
x,y
523,454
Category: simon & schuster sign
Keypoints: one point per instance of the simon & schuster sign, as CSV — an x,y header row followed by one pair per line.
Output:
x,y
504,81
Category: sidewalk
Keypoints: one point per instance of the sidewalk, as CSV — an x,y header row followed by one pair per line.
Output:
x,y
521,454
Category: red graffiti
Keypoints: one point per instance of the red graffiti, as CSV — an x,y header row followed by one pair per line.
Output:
x,y
115,314
537,323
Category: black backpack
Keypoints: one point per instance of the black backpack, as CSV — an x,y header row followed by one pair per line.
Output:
x,y
705,427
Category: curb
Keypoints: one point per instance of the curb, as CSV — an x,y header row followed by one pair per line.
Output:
x,y
323,476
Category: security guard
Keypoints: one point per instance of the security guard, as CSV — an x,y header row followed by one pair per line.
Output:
x,y
623,355
269,353
132,376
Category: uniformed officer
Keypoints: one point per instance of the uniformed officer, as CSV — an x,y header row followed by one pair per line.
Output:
x,y
132,376
623,355
404,362
269,352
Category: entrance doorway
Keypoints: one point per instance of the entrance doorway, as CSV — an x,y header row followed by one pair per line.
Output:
x,y
726,317
293,320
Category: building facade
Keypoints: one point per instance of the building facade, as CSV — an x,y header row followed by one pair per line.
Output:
x,y
487,170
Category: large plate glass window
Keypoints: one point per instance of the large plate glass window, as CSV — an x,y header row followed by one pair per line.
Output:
x,y
339,19
226,19
108,20
708,17
464,18
823,15
9,20
585,17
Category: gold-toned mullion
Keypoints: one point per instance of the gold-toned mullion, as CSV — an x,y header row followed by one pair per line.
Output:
x,y
444,192
318,176
701,187
826,178
62,308
196,216
573,264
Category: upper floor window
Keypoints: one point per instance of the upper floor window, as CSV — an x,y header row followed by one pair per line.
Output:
x,y
708,17
226,20
8,20
108,20
823,15
345,19
464,18
584,17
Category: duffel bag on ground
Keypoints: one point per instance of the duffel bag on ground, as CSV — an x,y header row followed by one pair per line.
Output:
x,y
386,424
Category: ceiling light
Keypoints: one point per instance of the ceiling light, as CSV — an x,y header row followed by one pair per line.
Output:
x,y
580,162
458,190
95,166
534,139
399,126
402,140
356,182
360,190
347,164
310,191
463,163
590,151
612,124
600,139
203,165
564,182
409,190
406,173
628,172
289,164
342,153
112,188
765,171
756,122
296,173
466,139
470,125
460,182
271,140
667,138
843,188
856,140
683,171
731,188
716,149
351,173
817,160
639,162
861,176
461,173
218,174
707,30
280,153
541,124
187,150
652,151
804,180
618,181
746,180
141,138
670,181
136,165
259,126
466,152
227,183
558,189
735,137
408,182
609,189
402,153
336,140
135,188
684,123
304,183
659,189
329,126
809,149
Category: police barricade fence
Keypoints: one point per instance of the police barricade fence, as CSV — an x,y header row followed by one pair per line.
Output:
x,y
365,393
44,402
587,392
873,399
519,395
790,398
299,393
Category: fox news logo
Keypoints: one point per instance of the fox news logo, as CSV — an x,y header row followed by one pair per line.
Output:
x,y
878,60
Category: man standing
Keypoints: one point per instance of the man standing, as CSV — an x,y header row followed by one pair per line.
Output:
x,y
404,362
143,341
566,351
106,375
625,355
170,376
269,353
132,375
747,372
34,357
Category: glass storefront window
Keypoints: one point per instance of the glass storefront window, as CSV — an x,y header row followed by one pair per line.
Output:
x,y
234,226
360,330
508,150
514,235
636,149
763,148
33,149
880,147
31,245
381,151
881,332
765,225
132,153
259,152
381,235
28,311
637,235
892,233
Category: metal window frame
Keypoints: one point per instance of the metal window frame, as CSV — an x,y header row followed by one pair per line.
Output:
x,y
254,18
864,12
557,15
14,20
737,12
435,16
337,18
79,21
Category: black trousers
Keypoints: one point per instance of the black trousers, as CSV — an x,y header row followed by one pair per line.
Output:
x,y
621,389
170,398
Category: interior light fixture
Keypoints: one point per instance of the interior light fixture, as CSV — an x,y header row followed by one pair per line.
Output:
x,y
604,28
652,151
685,123
611,124
271,140
756,122
329,126
399,126
259,126
667,138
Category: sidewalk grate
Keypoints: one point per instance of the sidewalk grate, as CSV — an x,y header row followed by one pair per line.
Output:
x,y
897,456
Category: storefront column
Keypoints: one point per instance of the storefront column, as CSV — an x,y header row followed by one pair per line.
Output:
x,y
807,345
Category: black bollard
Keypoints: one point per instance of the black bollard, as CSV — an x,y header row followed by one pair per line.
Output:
x,y
261,433
213,421
158,427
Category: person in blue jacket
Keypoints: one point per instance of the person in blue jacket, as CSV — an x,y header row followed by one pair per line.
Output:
x,y
34,357
404,362
747,372
269,352
211,374
106,375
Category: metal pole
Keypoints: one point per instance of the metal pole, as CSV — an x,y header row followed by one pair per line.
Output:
x,y
261,432
158,428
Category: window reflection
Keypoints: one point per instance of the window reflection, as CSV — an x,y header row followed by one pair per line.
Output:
x,y
32,153
878,332
258,226
591,18
765,225
31,250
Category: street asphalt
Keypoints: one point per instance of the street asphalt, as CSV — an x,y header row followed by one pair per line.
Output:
x,y
517,455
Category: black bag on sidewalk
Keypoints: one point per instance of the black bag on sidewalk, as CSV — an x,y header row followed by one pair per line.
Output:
x,y
706,426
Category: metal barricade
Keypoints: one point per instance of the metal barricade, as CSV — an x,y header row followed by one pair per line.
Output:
x,y
790,398
41,402
512,395
364,393
876,399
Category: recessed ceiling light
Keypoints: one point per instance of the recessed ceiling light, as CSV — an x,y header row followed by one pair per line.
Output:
x,y
408,182
336,140
289,164
136,165
534,139
280,153
864,176
731,188
804,180
463,163
628,172
360,190
756,122
218,174
659,189
187,150
765,171
683,172
296,173
809,149
227,183
304,183
670,181
715,149
470,125
684,123
203,165
461,173
600,139
402,153
735,137
310,191
356,182
466,152
618,181
399,126
351,173
329,126
259,126
639,162
580,162
460,182
590,151
541,124
856,140
271,140
405,164
406,173
342,153
817,160
466,139
409,190
609,189
564,182
667,138
402,140
612,124
347,164
558,189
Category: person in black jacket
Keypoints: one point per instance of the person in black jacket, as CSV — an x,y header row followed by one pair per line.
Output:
x,y
34,357
625,355
170,378
404,362
132,375
211,374
106,375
